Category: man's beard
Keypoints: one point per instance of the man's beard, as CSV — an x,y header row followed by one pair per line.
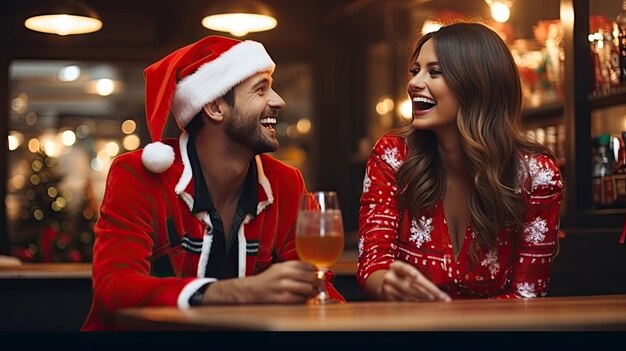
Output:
x,y
247,131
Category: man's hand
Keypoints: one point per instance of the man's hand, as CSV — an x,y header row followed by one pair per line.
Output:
x,y
285,282
403,282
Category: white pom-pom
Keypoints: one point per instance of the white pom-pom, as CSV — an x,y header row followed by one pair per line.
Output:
x,y
157,157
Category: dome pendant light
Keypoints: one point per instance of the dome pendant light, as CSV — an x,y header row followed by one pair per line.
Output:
x,y
65,18
239,17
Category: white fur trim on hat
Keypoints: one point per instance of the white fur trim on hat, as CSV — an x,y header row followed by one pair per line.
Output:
x,y
214,78
157,157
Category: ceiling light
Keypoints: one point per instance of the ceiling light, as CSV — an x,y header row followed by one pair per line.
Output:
x,y
430,26
104,80
500,12
69,73
64,18
239,17
500,9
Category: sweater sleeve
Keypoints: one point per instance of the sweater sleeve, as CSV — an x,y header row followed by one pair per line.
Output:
x,y
536,245
378,214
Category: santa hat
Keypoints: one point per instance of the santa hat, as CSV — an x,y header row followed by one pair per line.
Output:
x,y
189,78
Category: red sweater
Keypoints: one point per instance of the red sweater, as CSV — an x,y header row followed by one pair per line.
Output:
x,y
150,249
518,267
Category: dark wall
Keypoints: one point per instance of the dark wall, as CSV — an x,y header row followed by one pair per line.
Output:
x,y
44,304
589,263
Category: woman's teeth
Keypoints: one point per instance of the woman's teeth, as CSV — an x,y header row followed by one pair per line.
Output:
x,y
423,103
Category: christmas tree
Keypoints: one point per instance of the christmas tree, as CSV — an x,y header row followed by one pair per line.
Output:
x,y
49,232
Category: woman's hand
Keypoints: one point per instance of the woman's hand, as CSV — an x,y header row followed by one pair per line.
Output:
x,y
403,282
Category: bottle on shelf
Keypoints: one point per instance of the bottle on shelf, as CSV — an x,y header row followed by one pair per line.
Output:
x,y
560,144
603,188
597,81
620,20
604,56
596,175
619,172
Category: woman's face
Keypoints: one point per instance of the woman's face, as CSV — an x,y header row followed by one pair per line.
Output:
x,y
434,105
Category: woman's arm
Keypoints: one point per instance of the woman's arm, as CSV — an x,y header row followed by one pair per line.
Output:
x,y
379,215
378,274
536,245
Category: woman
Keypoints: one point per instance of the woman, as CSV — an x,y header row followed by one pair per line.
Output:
x,y
459,204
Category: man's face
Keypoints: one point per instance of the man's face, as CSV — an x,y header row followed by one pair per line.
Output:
x,y
255,113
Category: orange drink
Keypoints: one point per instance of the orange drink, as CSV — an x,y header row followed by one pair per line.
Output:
x,y
322,251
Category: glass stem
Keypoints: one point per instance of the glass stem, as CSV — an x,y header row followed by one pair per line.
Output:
x,y
323,294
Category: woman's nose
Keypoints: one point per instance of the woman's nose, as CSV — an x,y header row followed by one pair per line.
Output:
x,y
417,81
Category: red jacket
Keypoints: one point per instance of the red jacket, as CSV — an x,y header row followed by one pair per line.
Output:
x,y
150,249
518,267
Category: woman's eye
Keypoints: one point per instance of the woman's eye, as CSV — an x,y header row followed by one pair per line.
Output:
x,y
434,72
414,71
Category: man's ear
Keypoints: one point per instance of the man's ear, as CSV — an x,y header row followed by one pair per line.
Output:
x,y
214,110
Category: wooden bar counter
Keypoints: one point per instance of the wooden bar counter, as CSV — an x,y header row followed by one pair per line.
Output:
x,y
47,271
607,312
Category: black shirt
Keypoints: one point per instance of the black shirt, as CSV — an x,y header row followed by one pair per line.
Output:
x,y
223,260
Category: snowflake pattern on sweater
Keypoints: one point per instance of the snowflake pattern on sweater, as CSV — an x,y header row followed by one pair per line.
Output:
x,y
366,183
526,290
391,158
420,232
517,267
540,172
536,231
491,262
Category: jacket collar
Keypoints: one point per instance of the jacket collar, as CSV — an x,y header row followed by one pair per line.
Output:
x,y
184,188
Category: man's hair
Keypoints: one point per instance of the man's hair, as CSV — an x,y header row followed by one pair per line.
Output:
x,y
197,122
229,97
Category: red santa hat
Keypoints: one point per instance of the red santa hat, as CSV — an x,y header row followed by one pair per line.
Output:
x,y
189,78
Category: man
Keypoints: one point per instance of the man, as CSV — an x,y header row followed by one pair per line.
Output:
x,y
206,218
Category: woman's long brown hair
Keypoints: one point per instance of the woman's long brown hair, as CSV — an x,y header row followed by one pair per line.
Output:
x,y
480,71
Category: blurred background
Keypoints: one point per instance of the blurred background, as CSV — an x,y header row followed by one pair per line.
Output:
x,y
73,102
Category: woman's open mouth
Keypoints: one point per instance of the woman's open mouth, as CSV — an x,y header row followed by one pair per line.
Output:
x,y
421,103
